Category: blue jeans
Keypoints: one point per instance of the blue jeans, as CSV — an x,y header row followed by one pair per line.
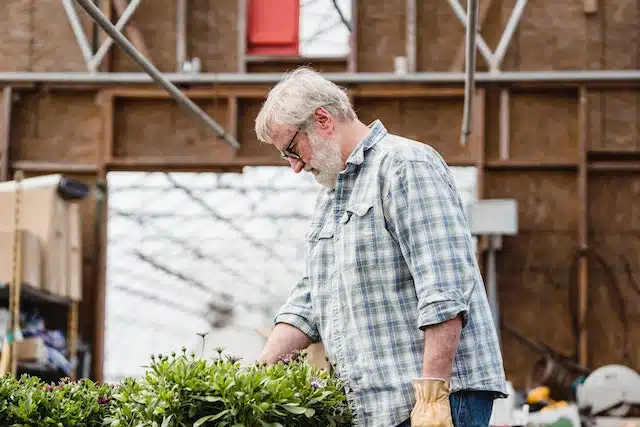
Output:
x,y
468,409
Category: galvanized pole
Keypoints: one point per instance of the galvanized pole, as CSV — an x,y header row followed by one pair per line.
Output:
x,y
155,74
469,84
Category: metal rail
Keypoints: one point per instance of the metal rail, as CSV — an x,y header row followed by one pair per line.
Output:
x,y
577,76
470,63
153,72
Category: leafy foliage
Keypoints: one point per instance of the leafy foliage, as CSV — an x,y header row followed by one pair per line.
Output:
x,y
182,390
29,401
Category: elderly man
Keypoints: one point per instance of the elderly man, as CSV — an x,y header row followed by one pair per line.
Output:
x,y
391,285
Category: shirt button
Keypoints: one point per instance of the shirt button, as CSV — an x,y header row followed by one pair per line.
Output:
x,y
344,218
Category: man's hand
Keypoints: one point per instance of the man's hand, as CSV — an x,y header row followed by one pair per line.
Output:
x,y
432,408
284,339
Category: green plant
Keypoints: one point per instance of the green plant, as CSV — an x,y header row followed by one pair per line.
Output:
x,y
182,390
28,401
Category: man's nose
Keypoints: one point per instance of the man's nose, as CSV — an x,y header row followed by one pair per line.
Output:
x,y
296,164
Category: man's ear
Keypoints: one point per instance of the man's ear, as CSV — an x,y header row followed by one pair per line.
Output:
x,y
323,119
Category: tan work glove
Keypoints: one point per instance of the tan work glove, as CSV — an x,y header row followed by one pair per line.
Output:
x,y
432,408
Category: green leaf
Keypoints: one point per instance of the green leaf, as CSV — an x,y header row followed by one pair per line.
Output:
x,y
166,421
294,408
207,418
209,398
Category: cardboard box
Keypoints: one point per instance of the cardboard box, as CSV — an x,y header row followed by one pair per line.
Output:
x,y
44,213
31,350
31,257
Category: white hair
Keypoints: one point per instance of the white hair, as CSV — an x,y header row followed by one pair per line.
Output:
x,y
296,97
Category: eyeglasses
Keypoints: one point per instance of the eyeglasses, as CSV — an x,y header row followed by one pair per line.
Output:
x,y
287,153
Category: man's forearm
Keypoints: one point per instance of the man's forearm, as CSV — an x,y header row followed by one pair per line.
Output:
x,y
283,339
440,344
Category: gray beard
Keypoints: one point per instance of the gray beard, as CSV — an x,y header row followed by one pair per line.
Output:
x,y
327,161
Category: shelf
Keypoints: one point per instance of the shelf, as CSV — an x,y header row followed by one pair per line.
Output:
x,y
532,164
29,293
41,370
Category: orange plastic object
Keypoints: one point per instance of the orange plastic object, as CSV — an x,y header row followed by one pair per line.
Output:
x,y
273,27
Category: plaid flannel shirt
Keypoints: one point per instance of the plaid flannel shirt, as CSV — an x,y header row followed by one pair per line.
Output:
x,y
388,252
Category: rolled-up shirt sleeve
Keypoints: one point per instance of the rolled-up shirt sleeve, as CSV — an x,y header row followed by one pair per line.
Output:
x,y
425,214
297,310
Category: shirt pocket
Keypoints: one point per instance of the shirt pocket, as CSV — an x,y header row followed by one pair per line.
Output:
x,y
320,252
358,229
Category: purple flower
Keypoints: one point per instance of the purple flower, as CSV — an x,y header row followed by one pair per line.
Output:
x,y
286,358
318,384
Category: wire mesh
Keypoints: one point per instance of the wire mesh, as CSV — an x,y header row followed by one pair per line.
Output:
x,y
206,252
191,253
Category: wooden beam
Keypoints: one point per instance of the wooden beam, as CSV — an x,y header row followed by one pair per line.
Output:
x,y
504,124
222,91
181,34
133,34
54,167
372,90
458,60
478,138
613,166
352,58
107,11
242,36
583,233
105,146
189,164
5,135
98,291
412,29
405,91
590,6
548,164
232,120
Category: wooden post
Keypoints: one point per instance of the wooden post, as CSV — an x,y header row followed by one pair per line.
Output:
x,y
73,338
412,28
242,36
352,59
505,121
132,32
5,136
583,236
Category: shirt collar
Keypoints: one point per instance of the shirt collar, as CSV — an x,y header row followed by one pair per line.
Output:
x,y
376,133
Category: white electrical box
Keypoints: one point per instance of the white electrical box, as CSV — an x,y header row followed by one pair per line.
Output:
x,y
493,217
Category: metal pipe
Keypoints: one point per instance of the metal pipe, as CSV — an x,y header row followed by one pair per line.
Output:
x,y
578,76
482,45
78,31
510,28
95,62
469,86
153,72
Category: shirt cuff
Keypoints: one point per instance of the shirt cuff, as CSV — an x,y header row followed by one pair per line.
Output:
x,y
440,308
306,326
